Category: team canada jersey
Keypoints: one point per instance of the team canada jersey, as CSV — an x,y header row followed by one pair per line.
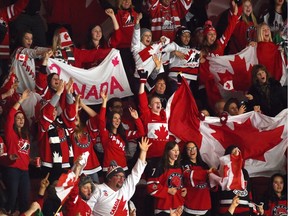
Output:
x,y
159,181
122,37
85,142
197,200
277,209
7,14
16,145
24,64
143,55
166,20
106,201
75,205
223,40
156,127
189,66
243,34
113,144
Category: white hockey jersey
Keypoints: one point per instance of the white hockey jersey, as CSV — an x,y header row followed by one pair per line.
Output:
x,y
106,201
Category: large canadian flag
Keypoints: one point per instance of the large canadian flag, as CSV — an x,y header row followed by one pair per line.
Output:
x,y
261,139
230,75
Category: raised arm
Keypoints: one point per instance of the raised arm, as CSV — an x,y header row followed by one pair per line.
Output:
x,y
24,96
87,109
144,146
111,14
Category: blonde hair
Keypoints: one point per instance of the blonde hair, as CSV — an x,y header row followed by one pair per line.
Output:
x,y
119,4
245,18
55,40
260,37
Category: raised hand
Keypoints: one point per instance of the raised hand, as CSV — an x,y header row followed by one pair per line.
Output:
x,y
109,12
143,75
157,61
139,17
69,86
133,113
45,182
60,87
144,144
104,95
234,8
25,94
242,109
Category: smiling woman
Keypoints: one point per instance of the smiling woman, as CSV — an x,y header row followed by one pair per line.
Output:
x,y
18,143
165,181
113,135
195,174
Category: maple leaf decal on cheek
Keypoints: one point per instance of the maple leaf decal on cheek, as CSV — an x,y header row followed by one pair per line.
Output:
x,y
115,61
252,142
162,133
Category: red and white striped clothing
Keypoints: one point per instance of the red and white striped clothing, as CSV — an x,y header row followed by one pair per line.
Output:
x,y
166,20
8,14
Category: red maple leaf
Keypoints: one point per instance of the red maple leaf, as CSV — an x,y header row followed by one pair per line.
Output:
x,y
66,36
252,142
121,211
115,61
242,76
162,133
225,78
188,55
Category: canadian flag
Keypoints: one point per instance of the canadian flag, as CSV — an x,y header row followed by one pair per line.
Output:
x,y
64,185
67,180
21,57
261,139
230,75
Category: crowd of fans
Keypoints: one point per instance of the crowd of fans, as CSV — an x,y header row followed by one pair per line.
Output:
x,y
96,147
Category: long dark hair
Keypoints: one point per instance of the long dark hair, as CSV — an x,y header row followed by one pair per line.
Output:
x,y
120,129
24,133
206,49
199,160
49,78
272,196
90,44
271,12
165,159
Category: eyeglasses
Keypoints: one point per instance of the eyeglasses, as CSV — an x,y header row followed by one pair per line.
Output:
x,y
120,176
191,148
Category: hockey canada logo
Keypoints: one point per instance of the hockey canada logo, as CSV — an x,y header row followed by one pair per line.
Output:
x,y
175,180
24,146
280,210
